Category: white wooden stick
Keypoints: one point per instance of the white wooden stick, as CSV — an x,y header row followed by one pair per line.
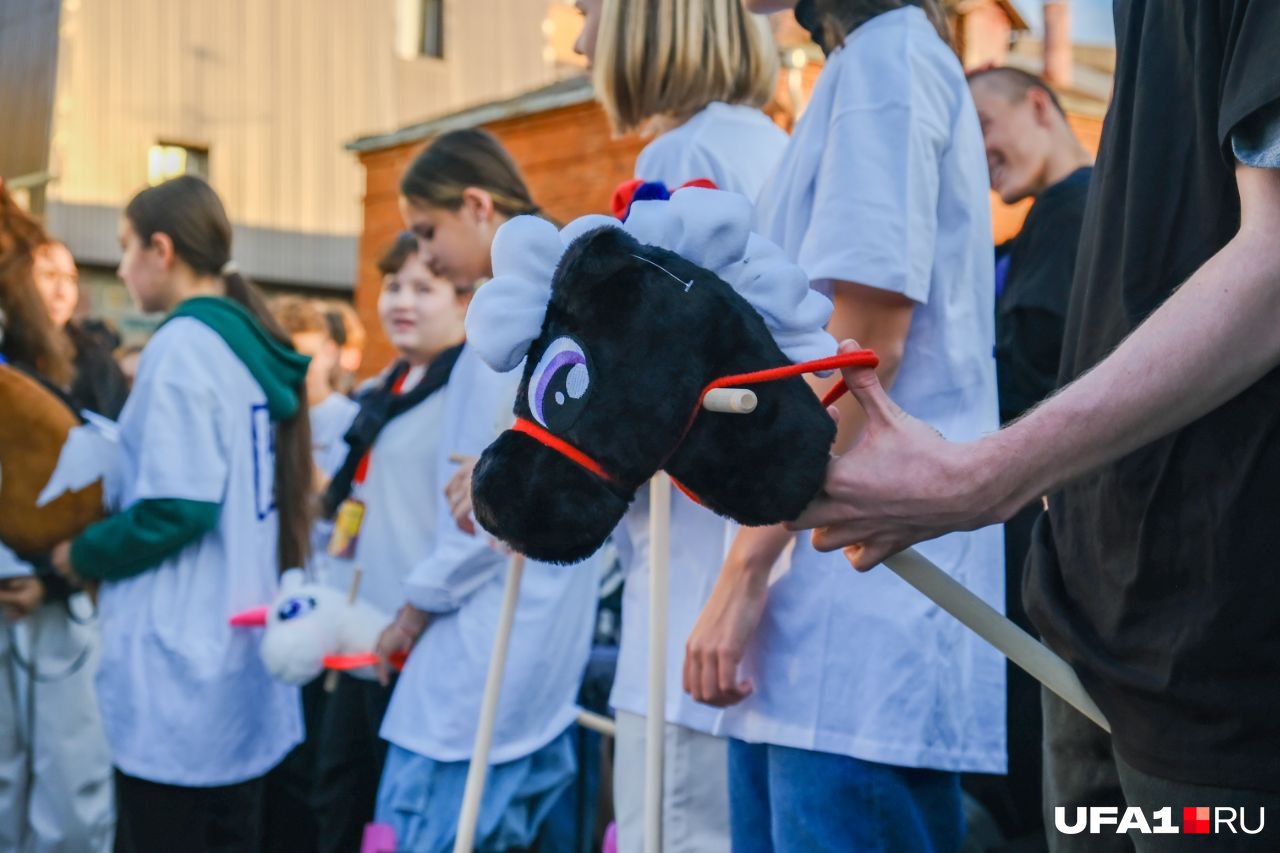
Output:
x,y
597,723
733,401
479,767
1010,640
655,722
353,592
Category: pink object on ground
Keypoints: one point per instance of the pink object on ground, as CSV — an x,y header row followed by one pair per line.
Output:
x,y
610,839
378,838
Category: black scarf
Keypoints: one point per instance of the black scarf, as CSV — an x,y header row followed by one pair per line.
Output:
x,y
376,410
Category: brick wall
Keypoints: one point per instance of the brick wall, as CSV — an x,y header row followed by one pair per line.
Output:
x,y
572,164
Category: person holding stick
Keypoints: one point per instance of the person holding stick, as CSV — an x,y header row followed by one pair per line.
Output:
x,y
858,705
1151,570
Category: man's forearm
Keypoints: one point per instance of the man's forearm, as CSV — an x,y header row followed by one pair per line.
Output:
x,y
1216,336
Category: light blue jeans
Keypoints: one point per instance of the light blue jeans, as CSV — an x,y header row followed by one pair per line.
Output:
x,y
420,798
783,799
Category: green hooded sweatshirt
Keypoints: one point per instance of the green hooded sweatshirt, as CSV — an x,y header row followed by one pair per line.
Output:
x,y
150,531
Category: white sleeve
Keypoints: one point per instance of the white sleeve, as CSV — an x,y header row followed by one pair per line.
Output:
x,y
460,564
182,430
12,566
875,209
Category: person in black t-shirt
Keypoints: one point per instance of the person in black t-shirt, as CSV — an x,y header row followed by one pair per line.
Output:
x,y
1156,571
1032,152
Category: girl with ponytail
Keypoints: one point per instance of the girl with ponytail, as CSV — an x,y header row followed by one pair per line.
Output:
x,y
454,197
213,503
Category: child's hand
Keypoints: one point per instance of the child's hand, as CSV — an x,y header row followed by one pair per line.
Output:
x,y
19,597
399,638
60,559
458,493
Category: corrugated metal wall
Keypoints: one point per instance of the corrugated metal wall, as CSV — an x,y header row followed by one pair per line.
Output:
x,y
273,88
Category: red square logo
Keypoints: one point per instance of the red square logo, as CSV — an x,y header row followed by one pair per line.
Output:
x,y
1196,819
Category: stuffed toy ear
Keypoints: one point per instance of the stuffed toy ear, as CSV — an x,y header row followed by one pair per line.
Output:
x,y
506,313
714,226
583,225
793,312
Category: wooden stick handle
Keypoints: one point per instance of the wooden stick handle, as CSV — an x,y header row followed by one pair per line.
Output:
x,y
655,723
597,723
732,401
353,592
479,767
1010,640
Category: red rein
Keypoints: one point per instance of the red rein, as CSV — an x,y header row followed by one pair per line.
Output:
x,y
859,358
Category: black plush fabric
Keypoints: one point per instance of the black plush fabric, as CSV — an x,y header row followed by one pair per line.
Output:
x,y
655,329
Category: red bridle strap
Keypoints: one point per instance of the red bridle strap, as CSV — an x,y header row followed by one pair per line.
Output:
x,y
536,432
858,358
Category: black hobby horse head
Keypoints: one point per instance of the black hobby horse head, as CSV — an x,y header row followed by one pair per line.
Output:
x,y
622,336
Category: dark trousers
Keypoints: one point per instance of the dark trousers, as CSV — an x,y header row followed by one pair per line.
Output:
x,y
1082,770
1079,771
155,818
288,820
349,758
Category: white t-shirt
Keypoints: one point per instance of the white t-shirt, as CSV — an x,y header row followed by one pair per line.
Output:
x,y
185,698
436,702
737,147
401,499
330,420
885,183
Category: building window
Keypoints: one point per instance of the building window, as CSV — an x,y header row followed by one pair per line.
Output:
x,y
167,160
431,31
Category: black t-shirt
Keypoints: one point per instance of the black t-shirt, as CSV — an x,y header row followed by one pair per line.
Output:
x,y
1158,576
1032,310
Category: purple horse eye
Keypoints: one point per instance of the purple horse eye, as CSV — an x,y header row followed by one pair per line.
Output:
x,y
558,385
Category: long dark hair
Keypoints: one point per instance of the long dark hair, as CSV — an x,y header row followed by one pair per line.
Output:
x,y
27,335
189,212
841,17
460,159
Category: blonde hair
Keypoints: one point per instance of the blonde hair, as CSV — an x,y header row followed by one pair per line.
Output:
x,y
672,58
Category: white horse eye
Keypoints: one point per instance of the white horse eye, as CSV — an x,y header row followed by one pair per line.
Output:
x,y
558,385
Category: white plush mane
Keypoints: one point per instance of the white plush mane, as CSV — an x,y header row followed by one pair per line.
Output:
x,y
710,228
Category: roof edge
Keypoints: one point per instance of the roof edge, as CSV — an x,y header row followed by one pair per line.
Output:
x,y
562,93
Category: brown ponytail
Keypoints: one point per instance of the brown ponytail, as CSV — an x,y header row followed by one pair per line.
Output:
x,y
460,159
189,212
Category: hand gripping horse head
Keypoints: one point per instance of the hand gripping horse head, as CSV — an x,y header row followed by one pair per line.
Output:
x,y
622,329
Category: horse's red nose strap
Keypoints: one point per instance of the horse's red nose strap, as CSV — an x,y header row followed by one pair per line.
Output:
x,y
858,358
532,430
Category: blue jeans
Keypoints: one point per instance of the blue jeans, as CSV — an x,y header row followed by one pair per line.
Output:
x,y
783,799
420,798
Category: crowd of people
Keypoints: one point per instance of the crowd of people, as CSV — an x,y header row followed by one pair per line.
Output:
x,y
1120,445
